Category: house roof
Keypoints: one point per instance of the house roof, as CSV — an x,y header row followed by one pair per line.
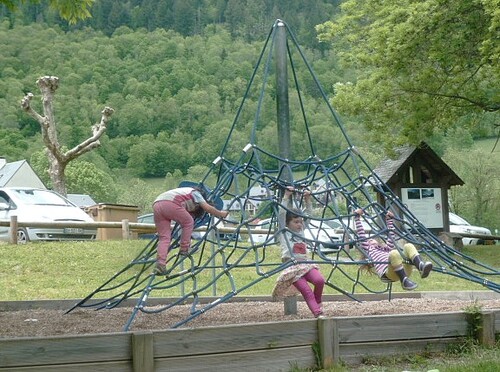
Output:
x,y
388,167
18,173
81,200
8,171
405,155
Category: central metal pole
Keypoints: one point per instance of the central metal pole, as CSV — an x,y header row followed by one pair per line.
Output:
x,y
282,104
283,116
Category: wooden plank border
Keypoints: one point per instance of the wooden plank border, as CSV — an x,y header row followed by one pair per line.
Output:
x,y
272,346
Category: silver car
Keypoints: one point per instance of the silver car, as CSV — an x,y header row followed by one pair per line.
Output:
x,y
460,226
326,238
40,205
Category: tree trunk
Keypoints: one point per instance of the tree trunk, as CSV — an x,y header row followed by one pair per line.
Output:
x,y
58,160
57,174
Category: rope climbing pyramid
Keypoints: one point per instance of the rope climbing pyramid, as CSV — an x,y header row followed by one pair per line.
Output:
x,y
252,172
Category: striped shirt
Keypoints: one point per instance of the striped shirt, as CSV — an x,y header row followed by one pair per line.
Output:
x,y
378,253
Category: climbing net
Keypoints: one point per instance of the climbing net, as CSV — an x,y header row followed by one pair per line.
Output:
x,y
227,261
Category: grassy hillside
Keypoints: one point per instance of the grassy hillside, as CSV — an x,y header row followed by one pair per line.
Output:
x,y
488,144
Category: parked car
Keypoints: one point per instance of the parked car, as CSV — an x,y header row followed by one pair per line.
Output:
x,y
327,238
146,218
40,205
149,219
229,225
267,229
347,230
367,226
460,226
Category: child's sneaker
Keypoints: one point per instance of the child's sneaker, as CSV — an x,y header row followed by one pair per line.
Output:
x,y
160,269
408,285
425,268
183,252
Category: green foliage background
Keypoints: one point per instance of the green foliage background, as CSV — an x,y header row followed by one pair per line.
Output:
x,y
176,71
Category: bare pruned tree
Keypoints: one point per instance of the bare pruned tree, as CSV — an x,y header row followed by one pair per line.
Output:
x,y
58,160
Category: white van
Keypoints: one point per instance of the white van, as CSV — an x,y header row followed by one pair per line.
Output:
x,y
40,205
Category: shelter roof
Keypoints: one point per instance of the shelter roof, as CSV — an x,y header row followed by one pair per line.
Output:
x,y
407,155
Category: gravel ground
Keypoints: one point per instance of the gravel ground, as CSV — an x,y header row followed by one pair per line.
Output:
x,y
35,323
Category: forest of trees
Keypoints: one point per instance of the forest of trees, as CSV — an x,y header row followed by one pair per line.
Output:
x,y
175,72
171,91
246,19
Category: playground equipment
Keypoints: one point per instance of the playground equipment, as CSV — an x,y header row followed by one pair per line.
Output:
x,y
339,183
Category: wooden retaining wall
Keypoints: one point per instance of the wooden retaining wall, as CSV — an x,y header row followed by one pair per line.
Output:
x,y
276,346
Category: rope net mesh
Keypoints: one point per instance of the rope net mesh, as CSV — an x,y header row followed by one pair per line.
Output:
x,y
231,258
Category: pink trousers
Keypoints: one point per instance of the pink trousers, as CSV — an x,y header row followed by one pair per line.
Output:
x,y
312,298
165,212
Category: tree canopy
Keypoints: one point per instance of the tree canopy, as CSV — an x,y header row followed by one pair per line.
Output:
x,y
70,10
422,66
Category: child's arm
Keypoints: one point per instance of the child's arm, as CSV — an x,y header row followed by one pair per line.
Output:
x,y
308,204
360,229
286,203
212,210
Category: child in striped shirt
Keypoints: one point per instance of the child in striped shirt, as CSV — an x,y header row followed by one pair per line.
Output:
x,y
387,260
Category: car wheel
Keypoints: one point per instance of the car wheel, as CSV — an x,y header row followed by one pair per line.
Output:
x,y
22,236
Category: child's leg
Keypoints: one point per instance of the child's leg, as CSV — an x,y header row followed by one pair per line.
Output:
x,y
186,221
410,252
162,222
396,271
164,213
307,293
424,267
395,264
316,279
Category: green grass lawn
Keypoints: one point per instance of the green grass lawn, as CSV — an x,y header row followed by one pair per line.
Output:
x,y
69,270
462,357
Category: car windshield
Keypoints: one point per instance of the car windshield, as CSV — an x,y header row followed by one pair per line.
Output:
x,y
40,197
457,220
319,224
147,218
334,224
264,223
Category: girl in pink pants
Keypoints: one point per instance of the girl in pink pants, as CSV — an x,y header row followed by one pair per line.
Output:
x,y
293,246
181,205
